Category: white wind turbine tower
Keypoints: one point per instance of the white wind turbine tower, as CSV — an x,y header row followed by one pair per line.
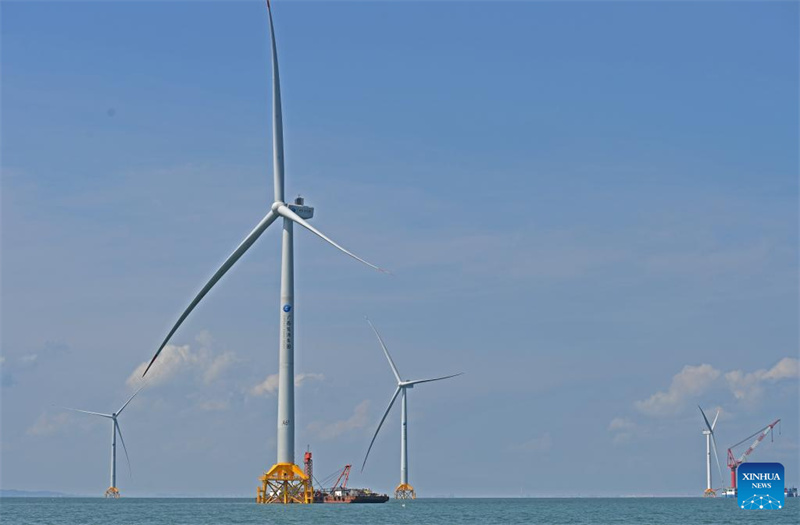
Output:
x,y
113,491
711,442
285,482
403,490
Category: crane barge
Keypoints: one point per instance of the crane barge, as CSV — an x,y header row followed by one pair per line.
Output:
x,y
733,462
340,492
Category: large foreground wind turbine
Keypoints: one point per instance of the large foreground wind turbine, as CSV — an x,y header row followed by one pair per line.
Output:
x,y
711,442
113,491
403,490
285,482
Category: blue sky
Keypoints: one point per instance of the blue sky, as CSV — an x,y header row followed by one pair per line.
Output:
x,y
589,208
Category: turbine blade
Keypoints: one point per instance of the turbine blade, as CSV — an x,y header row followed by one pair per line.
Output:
x,y
87,412
385,351
714,424
230,261
277,115
119,431
284,211
705,419
379,426
129,400
418,381
716,456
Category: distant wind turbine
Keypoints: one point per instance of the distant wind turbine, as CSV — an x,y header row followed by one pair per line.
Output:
x,y
403,490
290,485
113,491
711,442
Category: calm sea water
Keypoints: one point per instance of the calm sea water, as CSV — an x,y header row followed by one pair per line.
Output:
x,y
147,511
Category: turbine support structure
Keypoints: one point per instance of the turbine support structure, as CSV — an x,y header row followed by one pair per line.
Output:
x,y
112,491
709,492
404,490
286,482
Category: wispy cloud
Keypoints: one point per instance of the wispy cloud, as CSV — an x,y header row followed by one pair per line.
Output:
x,y
269,386
14,367
214,405
541,443
686,384
199,359
47,424
358,420
299,379
693,381
750,386
218,365
622,429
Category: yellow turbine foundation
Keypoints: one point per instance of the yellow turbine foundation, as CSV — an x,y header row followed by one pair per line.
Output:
x,y
404,491
710,493
285,483
112,492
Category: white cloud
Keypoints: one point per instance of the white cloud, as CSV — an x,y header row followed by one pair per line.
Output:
x,y
686,384
174,359
693,381
358,420
47,424
750,386
622,429
218,365
541,443
269,386
28,359
204,338
299,379
214,405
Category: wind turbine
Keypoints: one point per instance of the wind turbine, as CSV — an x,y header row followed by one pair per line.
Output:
x,y
711,441
112,491
403,490
285,482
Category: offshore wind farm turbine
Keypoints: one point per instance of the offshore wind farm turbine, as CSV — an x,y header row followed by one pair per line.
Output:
x,y
113,491
403,490
711,442
285,482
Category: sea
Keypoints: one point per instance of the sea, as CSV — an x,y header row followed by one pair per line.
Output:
x,y
224,511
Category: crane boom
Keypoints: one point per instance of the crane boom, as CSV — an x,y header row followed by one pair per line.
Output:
x,y
346,475
762,433
734,463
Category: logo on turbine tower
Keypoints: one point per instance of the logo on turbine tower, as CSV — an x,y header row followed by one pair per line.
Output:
x,y
760,486
287,308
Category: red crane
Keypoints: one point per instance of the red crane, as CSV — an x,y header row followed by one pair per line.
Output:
x,y
346,475
734,463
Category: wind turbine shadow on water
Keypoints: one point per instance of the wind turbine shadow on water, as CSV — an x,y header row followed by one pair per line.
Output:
x,y
404,490
113,491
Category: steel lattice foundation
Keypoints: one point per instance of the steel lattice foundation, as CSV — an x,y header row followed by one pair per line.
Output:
x,y
404,491
285,483
112,492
